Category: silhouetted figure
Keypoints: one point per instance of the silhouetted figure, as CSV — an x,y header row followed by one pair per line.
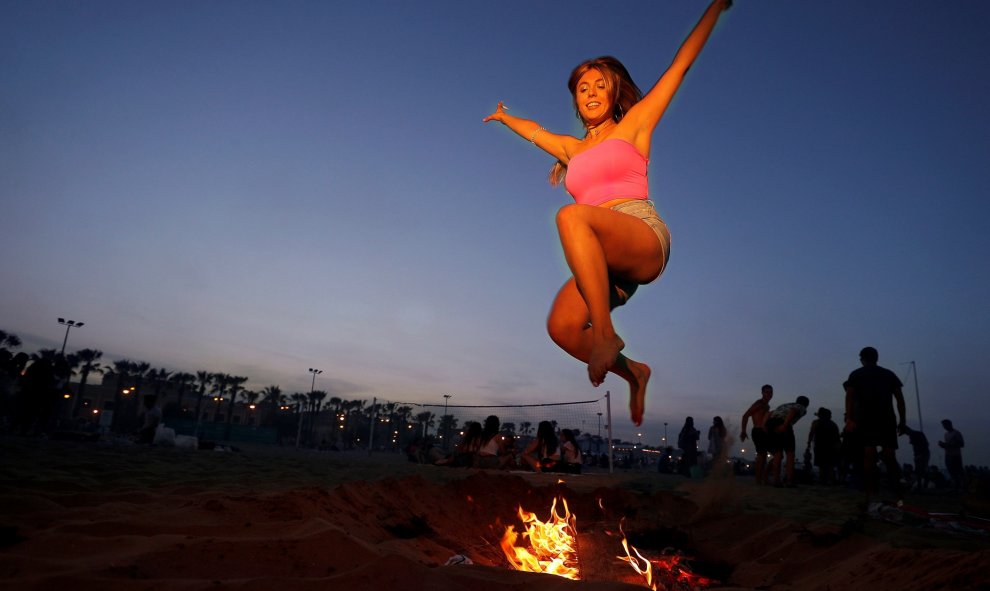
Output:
x,y
543,452
716,442
759,411
687,441
953,444
824,436
152,418
570,453
870,414
780,436
494,451
466,449
922,456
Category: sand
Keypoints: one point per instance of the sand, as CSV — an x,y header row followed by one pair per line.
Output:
x,y
84,515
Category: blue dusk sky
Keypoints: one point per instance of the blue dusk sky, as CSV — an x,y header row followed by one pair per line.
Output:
x,y
257,188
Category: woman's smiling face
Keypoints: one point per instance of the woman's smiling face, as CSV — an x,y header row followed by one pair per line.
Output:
x,y
593,99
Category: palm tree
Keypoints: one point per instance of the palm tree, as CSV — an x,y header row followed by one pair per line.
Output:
x,y
204,379
89,359
139,371
448,424
183,380
45,355
316,398
122,373
426,419
159,379
251,397
9,339
220,381
234,386
525,428
270,399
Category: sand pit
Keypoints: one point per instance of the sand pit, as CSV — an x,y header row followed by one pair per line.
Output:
x,y
88,516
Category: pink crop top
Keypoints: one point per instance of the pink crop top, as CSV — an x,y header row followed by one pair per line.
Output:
x,y
609,170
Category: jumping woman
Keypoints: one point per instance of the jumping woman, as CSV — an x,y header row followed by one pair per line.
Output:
x,y
612,237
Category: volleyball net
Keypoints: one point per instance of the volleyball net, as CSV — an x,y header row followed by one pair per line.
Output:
x,y
589,420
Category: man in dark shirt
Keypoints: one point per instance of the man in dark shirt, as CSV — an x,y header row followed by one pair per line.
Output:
x,y
870,414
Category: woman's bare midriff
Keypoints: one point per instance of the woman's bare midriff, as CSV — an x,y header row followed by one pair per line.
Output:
x,y
614,202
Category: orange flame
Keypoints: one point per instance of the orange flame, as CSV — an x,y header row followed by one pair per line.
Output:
x,y
667,570
552,543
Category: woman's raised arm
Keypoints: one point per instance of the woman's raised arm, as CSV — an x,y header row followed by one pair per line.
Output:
x,y
645,114
558,146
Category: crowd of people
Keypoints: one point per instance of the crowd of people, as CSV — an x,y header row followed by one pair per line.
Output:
x,y
875,415
856,453
486,446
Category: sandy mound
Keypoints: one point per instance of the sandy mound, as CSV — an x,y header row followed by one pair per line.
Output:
x,y
93,517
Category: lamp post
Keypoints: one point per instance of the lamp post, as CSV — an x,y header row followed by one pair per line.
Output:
x,y
665,433
68,324
312,386
446,425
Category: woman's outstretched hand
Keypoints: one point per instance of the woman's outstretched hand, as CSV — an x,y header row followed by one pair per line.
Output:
x,y
498,114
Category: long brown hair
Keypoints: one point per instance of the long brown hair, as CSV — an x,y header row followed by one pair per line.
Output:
x,y
621,89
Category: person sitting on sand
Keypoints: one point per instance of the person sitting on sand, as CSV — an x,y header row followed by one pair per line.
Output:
x,y
493,452
570,452
543,453
152,418
780,437
466,449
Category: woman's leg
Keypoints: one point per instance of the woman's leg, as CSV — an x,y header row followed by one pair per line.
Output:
x,y
600,244
568,325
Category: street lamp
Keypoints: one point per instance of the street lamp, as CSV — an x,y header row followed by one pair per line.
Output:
x,y
312,386
68,324
665,433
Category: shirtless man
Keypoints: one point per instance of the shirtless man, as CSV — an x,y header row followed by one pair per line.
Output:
x,y
759,411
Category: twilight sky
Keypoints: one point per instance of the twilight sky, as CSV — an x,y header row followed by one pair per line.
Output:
x,y
258,188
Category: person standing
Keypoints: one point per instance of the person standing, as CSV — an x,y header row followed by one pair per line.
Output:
x,y
780,437
953,444
824,435
759,411
612,236
922,456
687,441
716,442
870,414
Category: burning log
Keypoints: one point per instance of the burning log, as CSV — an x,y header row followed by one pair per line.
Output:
x,y
552,543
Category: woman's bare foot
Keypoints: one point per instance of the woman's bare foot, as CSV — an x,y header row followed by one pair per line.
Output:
x,y
603,354
639,376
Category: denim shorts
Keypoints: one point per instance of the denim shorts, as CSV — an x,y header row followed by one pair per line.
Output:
x,y
644,210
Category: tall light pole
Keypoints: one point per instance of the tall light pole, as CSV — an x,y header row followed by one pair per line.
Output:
x,y
68,324
312,386
665,433
446,425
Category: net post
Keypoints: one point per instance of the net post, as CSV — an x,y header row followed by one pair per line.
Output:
x,y
608,428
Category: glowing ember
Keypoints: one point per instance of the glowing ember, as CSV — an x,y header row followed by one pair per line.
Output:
x,y
552,543
667,572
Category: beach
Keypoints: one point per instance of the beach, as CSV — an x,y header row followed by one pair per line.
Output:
x,y
88,515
